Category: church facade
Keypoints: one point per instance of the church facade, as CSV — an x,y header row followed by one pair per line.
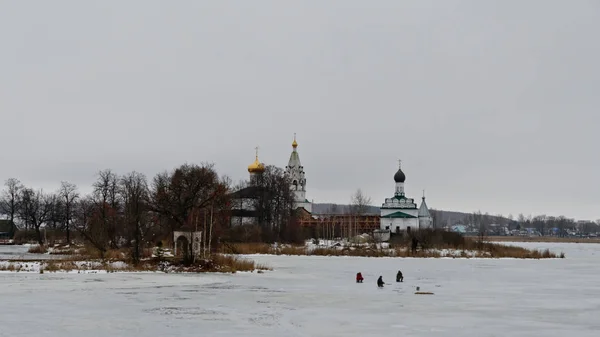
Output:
x,y
400,213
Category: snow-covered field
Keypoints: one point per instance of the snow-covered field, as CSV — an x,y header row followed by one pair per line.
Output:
x,y
317,296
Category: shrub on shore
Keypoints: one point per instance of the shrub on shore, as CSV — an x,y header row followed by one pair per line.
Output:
x,y
216,263
431,243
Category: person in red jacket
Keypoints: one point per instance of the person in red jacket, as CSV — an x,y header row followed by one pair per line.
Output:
x,y
359,278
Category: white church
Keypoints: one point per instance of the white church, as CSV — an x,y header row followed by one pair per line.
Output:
x,y
400,213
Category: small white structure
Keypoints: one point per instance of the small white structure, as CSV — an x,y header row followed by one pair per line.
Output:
x,y
381,235
185,240
295,171
400,213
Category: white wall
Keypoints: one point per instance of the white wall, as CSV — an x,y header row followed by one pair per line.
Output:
x,y
402,223
299,196
425,223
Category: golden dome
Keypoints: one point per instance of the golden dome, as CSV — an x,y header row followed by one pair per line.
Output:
x,y
294,144
257,166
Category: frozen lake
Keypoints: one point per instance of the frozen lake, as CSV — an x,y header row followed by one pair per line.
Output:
x,y
317,296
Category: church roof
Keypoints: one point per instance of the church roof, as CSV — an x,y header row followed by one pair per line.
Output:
x,y
247,192
256,166
423,210
294,159
398,214
399,177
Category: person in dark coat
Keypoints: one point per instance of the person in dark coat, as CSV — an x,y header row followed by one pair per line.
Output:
x,y
359,278
399,277
380,282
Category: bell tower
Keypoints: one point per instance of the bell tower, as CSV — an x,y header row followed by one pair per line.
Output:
x,y
295,172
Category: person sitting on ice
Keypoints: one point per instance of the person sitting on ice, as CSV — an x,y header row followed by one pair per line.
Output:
x,y
359,278
380,282
399,277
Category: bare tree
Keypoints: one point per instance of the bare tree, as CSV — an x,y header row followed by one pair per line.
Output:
x,y
480,222
134,191
87,221
9,202
174,196
562,223
521,220
359,203
539,223
273,203
35,209
56,212
106,200
69,194
25,197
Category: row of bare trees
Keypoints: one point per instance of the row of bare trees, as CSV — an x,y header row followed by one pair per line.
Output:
x,y
33,208
122,210
544,224
494,224
557,225
130,211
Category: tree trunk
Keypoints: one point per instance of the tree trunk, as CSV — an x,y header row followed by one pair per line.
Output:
x,y
39,235
136,248
210,232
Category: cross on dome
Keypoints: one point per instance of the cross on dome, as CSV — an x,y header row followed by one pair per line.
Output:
x,y
257,166
399,177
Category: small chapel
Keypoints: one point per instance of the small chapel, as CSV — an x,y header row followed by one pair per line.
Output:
x,y
400,213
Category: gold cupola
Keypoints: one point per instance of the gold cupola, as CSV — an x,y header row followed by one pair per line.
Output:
x,y
256,166
294,143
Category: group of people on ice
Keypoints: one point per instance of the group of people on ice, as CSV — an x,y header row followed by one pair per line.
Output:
x,y
380,283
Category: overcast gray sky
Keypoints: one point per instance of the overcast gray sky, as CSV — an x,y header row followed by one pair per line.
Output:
x,y
491,105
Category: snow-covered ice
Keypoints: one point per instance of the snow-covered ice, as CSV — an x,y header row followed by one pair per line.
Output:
x,y
317,296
